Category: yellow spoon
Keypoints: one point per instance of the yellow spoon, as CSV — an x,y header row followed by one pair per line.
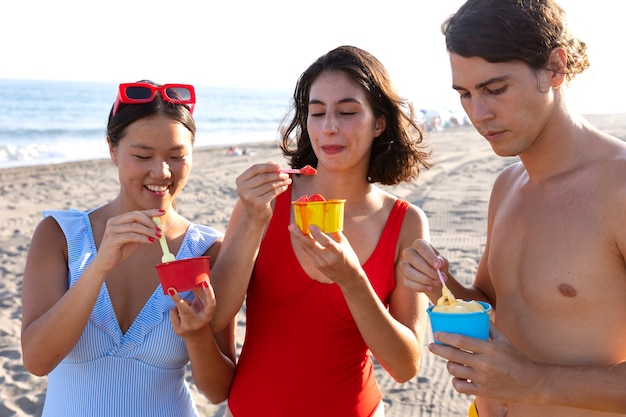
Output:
x,y
167,255
447,298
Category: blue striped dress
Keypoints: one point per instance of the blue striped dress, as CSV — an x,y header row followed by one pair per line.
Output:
x,y
138,373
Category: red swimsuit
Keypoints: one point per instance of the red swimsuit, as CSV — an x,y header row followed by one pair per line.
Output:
x,y
303,354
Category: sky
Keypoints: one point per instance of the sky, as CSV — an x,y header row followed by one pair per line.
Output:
x,y
267,44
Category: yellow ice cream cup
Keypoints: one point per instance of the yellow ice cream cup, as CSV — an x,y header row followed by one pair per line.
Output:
x,y
327,215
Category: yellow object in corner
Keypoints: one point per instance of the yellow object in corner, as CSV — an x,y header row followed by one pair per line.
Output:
x,y
472,412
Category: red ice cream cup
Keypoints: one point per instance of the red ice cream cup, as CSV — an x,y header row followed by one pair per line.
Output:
x,y
184,274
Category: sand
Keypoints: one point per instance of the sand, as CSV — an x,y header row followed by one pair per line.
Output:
x,y
454,194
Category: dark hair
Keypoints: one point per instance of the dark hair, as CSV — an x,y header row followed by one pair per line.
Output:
x,y
130,113
397,154
509,30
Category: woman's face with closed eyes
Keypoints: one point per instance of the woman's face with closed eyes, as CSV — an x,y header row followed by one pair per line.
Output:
x,y
341,122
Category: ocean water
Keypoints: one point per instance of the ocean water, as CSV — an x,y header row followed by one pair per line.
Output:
x,y
43,122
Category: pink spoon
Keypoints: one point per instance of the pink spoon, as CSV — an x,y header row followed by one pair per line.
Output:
x,y
306,170
441,278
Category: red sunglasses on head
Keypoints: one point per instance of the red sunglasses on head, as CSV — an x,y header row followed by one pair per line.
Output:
x,y
141,92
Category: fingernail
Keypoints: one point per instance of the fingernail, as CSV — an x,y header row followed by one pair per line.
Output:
x,y
171,291
158,229
151,239
161,211
205,284
158,235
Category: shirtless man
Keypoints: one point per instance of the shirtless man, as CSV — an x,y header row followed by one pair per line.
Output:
x,y
553,265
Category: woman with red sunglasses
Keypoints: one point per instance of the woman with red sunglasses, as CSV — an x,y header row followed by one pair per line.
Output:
x,y
95,319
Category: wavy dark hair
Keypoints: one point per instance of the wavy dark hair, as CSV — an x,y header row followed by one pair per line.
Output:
x,y
398,154
509,30
130,113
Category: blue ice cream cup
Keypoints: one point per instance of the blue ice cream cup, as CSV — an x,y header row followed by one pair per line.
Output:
x,y
473,324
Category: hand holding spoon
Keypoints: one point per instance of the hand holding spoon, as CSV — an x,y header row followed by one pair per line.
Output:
x,y
305,170
167,255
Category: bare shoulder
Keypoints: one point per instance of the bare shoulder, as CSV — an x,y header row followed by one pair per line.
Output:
x,y
616,147
510,174
602,146
45,272
49,233
414,226
415,215
609,171
609,163
505,182
48,246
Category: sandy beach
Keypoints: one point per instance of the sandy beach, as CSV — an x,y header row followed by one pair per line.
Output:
x,y
454,194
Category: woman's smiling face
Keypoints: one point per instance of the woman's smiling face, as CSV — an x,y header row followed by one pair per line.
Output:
x,y
154,160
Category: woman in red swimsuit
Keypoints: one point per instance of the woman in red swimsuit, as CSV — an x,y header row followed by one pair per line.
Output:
x,y
319,305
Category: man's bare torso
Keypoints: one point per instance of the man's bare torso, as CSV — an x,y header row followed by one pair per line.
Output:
x,y
555,260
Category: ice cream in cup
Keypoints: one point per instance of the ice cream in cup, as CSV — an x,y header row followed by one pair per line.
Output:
x,y
184,274
469,318
315,210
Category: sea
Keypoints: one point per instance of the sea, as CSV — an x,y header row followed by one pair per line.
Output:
x,y
46,122
50,121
